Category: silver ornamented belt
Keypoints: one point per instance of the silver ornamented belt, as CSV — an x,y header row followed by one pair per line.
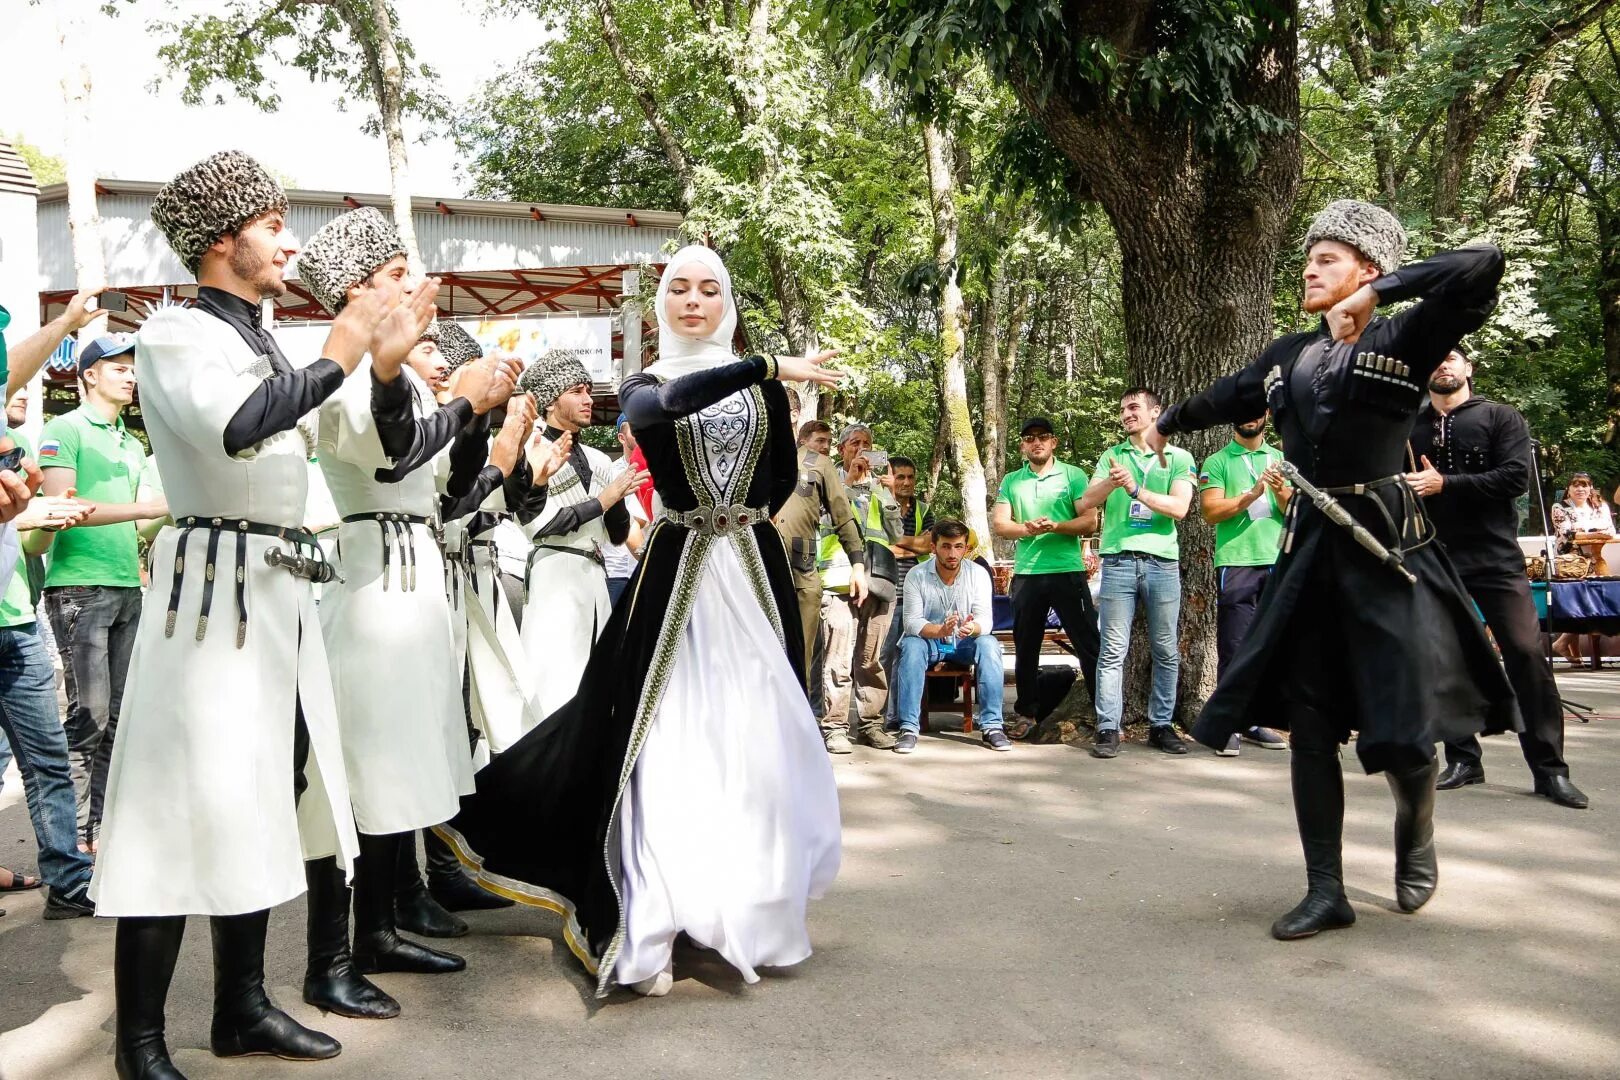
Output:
x,y
717,520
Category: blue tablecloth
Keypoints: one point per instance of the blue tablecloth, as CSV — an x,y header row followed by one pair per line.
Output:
x,y
1001,608
1579,607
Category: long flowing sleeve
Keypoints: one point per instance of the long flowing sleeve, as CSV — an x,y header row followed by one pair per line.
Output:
x,y
1456,293
647,401
1235,398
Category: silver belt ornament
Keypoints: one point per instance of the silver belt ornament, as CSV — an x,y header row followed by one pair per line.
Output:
x,y
717,520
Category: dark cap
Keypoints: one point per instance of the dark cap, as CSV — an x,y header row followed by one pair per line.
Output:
x,y
1035,423
105,348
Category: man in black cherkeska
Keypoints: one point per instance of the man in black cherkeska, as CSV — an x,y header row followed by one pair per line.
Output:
x,y
1341,641
1475,461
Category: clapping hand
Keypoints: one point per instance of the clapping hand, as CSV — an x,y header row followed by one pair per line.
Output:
x,y
53,513
514,434
1121,476
401,327
947,629
621,485
546,457
1038,526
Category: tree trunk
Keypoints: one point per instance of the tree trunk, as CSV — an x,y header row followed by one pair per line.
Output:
x,y
383,54
1198,238
641,85
1506,191
955,415
84,221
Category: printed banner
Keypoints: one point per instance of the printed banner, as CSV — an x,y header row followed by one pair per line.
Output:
x,y
528,338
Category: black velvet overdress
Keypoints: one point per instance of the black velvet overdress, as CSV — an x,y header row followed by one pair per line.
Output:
x,y
542,827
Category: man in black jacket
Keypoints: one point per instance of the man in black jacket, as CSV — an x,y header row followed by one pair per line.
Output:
x,y
1475,458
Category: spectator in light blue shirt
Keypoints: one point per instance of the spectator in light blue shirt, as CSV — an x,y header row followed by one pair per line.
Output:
x,y
947,616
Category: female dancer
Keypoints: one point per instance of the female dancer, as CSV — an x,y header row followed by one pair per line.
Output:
x,y
685,787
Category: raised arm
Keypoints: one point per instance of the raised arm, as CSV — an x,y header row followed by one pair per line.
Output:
x,y
1456,291
647,400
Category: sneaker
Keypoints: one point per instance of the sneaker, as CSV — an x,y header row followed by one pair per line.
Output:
x,y
874,736
1107,744
77,906
996,739
906,743
1266,739
1232,747
838,743
1166,739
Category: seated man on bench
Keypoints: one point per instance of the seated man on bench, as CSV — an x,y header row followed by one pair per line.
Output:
x,y
947,617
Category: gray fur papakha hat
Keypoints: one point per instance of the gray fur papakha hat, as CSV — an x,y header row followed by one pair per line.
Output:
x,y
548,377
457,346
213,198
344,252
1369,229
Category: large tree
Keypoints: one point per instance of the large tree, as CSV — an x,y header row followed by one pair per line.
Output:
x,y
355,44
1179,117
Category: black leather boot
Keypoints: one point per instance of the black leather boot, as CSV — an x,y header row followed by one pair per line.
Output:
x,y
377,946
245,1022
1417,870
450,885
1319,809
143,965
331,982
414,909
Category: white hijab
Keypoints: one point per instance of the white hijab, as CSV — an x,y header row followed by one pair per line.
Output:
x,y
681,355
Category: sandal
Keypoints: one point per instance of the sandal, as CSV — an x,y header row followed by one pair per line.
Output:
x,y
1020,727
20,882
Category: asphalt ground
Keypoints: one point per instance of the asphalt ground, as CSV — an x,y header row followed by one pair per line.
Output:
x,y
1031,914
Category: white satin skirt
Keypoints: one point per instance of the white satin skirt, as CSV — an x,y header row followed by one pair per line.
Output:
x,y
729,825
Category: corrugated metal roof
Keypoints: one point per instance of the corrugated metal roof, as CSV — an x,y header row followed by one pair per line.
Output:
x,y
15,177
476,236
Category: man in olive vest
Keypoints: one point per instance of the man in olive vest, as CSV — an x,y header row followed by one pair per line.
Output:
x,y
819,491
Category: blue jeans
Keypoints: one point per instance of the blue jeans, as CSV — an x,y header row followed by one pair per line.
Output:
x,y
917,655
1156,582
29,719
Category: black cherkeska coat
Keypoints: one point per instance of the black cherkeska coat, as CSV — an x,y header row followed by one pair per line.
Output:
x,y
1337,632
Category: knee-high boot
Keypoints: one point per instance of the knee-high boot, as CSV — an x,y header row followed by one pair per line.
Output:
x,y
377,945
450,885
1417,869
414,909
331,981
143,965
1318,783
245,1022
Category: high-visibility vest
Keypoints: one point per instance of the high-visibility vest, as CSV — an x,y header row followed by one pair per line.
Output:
x,y
834,562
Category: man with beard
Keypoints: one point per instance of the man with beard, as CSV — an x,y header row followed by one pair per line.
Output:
x,y
227,773
1243,494
1039,507
1475,455
404,736
1384,643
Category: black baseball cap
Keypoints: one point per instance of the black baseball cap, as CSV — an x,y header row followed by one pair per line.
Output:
x,y
1037,423
105,348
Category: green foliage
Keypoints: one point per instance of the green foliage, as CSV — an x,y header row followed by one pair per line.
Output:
x,y
240,47
47,168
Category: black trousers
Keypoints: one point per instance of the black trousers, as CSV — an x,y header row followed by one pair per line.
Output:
x,y
1240,589
1504,599
1033,595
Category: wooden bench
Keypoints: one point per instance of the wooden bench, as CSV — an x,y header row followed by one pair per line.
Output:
x,y
961,680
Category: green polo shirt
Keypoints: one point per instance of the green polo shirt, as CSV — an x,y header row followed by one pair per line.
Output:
x,y
1050,495
1244,539
109,461
1129,525
17,606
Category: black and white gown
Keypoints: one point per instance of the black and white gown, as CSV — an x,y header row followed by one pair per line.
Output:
x,y
685,787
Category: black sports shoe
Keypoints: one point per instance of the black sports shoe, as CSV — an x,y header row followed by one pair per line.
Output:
x,y
1166,739
1107,744
78,906
996,739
